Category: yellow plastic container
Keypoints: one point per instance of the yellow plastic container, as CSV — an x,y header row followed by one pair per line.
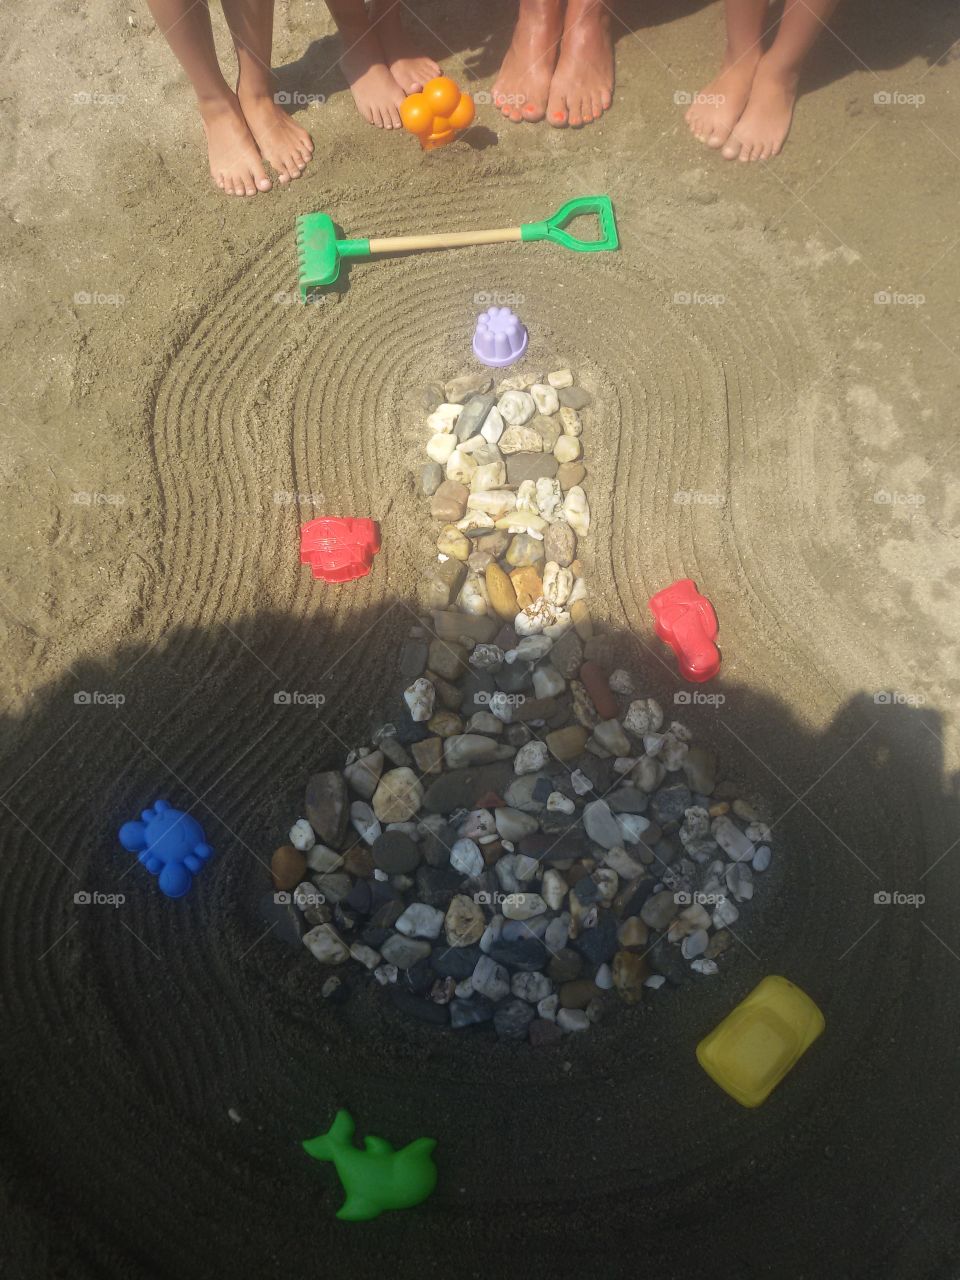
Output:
x,y
760,1040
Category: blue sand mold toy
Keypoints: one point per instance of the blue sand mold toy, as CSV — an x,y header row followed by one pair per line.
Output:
x,y
171,846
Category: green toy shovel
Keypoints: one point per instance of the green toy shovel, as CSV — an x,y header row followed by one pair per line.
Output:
x,y
320,252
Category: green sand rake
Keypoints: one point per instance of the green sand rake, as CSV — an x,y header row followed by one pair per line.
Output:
x,y
320,252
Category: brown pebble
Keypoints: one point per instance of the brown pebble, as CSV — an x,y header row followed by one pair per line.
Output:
x,y
567,744
571,473
449,502
718,810
503,597
527,584
288,867
597,683
358,861
629,972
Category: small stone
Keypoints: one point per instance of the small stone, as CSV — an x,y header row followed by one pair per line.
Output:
x,y
761,859
523,467
398,796
560,544
420,921
322,859
632,933
287,867
364,773
419,699
545,398
630,971
523,906
431,477
516,408
527,586
440,446
464,922
601,825
567,449
449,501
731,839
570,422
364,821
531,987
460,389
644,716
443,583
491,979
395,853
572,397
521,440
524,550
531,758
404,952
567,655
576,509
465,857
492,428
573,1020
452,542
466,749
567,744
326,945
571,475
512,1019
474,415
560,378
503,598
659,909
326,807
431,395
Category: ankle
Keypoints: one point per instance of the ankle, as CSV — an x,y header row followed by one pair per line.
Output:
x,y
254,89
217,102
784,71
745,57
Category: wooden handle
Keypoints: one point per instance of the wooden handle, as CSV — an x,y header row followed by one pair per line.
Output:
x,y
446,240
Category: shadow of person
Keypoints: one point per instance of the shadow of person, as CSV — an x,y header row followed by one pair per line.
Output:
x,y
162,1060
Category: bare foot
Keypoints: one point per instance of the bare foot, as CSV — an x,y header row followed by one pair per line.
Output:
x,y
523,85
376,93
582,85
235,163
718,106
283,144
410,69
762,130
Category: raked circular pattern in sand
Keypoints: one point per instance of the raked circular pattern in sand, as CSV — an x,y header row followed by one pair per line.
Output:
x,y
158,1017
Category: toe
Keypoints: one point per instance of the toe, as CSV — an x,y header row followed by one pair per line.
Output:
x,y
532,111
606,98
731,149
557,112
393,116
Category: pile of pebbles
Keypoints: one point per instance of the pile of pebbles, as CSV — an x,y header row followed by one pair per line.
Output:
x,y
527,844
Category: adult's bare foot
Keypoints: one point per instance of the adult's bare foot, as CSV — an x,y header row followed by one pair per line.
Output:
x,y
236,165
376,93
761,131
282,142
582,85
522,87
718,106
410,69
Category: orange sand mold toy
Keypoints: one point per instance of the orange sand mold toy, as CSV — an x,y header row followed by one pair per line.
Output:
x,y
760,1040
438,113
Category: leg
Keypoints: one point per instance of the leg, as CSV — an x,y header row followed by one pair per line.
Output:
x,y
582,85
410,69
364,63
283,144
235,163
718,106
523,85
762,129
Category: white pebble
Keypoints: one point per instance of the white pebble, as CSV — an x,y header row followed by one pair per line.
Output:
x,y
301,835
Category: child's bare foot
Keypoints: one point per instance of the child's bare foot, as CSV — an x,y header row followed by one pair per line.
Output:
x,y
235,163
761,131
410,69
376,93
283,144
582,85
717,107
523,85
